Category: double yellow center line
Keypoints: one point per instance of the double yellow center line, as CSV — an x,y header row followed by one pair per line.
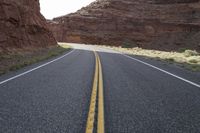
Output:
x,y
97,86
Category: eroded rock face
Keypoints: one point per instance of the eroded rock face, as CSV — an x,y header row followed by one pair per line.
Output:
x,y
158,24
22,25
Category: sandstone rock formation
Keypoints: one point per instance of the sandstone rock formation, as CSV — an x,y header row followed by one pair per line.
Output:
x,y
155,24
22,25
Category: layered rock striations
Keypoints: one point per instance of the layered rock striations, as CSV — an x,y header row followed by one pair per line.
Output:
x,y
22,25
157,24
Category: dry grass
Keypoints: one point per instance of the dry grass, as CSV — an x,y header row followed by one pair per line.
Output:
x,y
187,58
19,58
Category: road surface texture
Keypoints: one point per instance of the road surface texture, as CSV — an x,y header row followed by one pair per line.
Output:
x,y
52,99
138,97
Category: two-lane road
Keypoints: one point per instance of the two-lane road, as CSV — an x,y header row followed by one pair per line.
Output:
x,y
56,97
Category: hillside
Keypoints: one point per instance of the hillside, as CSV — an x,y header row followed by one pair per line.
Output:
x,y
154,24
22,26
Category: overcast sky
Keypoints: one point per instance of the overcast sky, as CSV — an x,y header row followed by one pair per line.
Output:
x,y
55,8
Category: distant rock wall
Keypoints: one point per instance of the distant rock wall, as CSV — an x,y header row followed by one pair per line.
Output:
x,y
155,24
22,25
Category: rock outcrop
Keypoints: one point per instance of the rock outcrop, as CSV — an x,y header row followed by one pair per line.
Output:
x,y
22,25
155,24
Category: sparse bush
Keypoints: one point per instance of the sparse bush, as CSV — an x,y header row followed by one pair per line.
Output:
x,y
194,67
182,50
189,59
193,61
189,53
129,44
170,59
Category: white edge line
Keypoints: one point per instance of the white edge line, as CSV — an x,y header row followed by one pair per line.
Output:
x,y
185,80
19,75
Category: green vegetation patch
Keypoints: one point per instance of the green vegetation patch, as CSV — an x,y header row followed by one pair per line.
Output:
x,y
128,44
20,58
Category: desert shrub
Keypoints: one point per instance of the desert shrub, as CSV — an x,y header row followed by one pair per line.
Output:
x,y
129,44
189,53
182,50
193,61
170,59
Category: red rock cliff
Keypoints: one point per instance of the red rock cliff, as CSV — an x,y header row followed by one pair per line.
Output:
x,y
22,25
158,24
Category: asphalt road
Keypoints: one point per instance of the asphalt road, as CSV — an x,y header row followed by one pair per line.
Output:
x,y
137,98
140,99
52,99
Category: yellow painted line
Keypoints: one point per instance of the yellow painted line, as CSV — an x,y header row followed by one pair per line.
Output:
x,y
91,114
97,86
100,118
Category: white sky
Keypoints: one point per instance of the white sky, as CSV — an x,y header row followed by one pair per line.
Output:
x,y
55,8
